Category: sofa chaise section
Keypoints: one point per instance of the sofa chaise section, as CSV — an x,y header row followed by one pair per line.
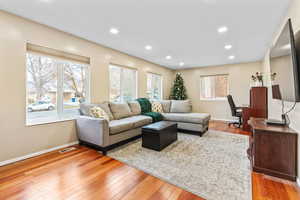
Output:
x,y
193,122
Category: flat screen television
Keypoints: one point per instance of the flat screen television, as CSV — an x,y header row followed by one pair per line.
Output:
x,y
284,63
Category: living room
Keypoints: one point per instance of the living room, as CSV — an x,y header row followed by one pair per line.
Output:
x,y
61,58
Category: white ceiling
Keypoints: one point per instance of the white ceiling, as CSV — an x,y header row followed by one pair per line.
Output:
x,y
184,29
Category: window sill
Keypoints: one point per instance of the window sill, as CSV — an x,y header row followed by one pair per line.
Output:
x,y
217,99
36,122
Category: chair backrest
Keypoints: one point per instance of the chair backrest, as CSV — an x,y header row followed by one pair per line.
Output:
x,y
232,105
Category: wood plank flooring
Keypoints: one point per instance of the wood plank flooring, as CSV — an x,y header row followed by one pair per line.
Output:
x,y
84,174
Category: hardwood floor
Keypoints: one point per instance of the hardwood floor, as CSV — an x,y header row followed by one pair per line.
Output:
x,y
85,174
82,174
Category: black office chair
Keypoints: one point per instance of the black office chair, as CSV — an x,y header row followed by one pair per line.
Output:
x,y
235,112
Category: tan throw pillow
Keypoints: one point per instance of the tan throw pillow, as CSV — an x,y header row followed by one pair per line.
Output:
x,y
120,110
156,107
135,107
98,112
181,106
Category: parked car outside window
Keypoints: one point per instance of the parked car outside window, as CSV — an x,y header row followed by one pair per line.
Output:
x,y
41,105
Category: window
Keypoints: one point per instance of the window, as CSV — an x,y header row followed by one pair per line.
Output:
x,y
55,88
154,86
214,87
123,84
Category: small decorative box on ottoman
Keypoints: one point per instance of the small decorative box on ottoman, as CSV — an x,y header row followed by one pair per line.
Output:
x,y
159,135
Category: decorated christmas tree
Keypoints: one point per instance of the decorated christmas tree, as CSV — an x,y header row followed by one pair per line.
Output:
x,y
178,91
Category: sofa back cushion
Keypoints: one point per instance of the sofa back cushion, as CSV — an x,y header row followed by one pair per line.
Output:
x,y
120,110
181,106
135,107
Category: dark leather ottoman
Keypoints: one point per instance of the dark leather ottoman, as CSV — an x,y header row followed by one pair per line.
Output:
x,y
158,135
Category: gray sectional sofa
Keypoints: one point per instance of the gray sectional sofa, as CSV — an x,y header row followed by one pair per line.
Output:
x,y
125,122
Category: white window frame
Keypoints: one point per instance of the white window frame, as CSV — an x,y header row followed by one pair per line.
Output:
x,y
122,68
59,101
215,98
161,82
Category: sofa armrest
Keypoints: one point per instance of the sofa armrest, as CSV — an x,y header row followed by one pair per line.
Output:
x,y
93,130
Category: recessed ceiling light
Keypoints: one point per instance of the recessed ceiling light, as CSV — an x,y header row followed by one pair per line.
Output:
x,y
168,57
231,57
46,1
222,29
148,47
114,31
181,64
228,46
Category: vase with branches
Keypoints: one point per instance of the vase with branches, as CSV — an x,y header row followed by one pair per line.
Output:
x,y
258,79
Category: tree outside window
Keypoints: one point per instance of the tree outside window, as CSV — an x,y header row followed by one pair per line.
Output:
x,y
55,87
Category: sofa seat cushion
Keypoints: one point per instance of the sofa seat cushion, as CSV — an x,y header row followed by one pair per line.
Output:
x,y
125,124
140,120
196,118
117,126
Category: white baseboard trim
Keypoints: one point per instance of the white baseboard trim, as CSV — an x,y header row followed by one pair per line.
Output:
x,y
298,181
218,119
6,162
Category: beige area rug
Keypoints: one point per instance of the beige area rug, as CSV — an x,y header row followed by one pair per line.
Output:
x,y
214,166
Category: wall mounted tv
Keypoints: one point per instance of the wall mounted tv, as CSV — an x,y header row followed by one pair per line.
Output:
x,y
285,70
